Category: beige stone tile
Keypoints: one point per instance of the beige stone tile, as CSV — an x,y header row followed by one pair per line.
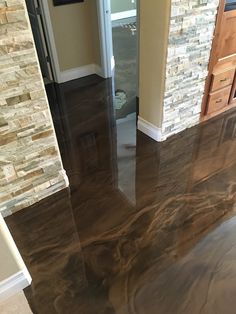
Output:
x,y
24,116
3,18
15,16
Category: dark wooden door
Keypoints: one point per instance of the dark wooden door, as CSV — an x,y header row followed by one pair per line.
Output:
x,y
39,38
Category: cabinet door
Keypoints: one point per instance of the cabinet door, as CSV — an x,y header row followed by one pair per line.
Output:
x,y
222,79
218,100
227,38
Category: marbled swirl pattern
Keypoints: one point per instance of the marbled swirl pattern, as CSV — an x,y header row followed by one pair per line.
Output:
x,y
168,249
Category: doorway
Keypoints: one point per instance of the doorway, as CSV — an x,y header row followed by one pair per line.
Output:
x,y
124,38
39,34
118,21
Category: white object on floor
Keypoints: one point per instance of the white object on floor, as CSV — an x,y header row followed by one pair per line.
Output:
x,y
120,99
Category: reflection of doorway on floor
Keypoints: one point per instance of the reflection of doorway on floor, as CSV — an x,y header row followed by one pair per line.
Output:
x,y
126,152
124,33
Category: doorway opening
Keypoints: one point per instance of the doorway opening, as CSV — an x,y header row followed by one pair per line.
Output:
x,y
38,30
40,21
124,38
119,34
118,28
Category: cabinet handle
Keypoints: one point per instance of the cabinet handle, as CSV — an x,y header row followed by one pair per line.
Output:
x,y
224,80
219,101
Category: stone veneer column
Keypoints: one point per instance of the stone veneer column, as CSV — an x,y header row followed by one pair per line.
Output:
x,y
30,163
190,39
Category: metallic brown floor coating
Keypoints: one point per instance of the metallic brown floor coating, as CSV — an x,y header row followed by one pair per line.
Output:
x,y
168,248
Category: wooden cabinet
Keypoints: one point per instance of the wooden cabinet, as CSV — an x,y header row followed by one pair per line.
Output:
x,y
220,89
233,93
219,99
222,79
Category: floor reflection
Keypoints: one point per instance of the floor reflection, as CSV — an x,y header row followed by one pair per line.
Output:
x,y
146,227
126,152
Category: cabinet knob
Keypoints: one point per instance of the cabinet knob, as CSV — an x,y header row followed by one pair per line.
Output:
x,y
224,80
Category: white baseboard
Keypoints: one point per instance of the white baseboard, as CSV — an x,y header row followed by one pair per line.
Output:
x,y
98,70
80,72
123,15
150,129
14,284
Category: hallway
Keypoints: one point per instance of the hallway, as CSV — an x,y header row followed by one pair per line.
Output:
x,y
126,74
166,245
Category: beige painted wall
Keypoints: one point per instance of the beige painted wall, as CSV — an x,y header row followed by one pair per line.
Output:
x,y
75,28
11,262
154,28
122,5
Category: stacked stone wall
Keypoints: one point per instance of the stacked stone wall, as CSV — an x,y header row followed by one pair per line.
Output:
x,y
30,163
191,32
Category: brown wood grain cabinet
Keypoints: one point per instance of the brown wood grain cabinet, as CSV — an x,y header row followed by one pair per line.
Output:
x,y
220,89
233,93
222,79
219,99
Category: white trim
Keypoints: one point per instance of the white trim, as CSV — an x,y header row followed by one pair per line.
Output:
x,y
105,35
21,279
50,39
98,70
150,129
80,72
137,46
14,284
123,15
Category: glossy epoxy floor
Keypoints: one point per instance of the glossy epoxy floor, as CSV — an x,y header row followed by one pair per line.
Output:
x,y
145,228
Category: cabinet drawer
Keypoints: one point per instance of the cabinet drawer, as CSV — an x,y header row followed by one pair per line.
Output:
x,y
219,99
222,79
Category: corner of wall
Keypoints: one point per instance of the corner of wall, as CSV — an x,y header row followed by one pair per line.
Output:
x,y
166,44
187,63
14,276
154,36
30,164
